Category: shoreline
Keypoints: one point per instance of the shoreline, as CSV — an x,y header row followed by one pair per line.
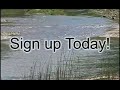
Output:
x,y
113,32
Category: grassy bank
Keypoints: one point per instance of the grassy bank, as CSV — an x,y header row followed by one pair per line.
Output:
x,y
19,12
12,12
97,12
107,13
46,11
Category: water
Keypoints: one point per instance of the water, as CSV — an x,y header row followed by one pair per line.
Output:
x,y
15,64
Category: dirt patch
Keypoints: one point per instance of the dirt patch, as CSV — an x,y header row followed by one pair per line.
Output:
x,y
111,33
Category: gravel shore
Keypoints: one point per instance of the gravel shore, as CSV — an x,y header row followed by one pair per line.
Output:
x,y
114,32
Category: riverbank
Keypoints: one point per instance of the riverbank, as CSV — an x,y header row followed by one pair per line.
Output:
x,y
112,14
108,13
21,12
113,32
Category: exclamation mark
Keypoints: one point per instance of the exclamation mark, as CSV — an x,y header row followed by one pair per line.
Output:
x,y
108,44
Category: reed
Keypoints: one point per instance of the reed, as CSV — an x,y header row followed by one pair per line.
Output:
x,y
67,68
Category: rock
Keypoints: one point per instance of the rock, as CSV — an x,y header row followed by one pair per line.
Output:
x,y
4,20
5,37
8,35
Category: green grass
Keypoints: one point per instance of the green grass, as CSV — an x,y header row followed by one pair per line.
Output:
x,y
12,12
46,11
21,12
108,13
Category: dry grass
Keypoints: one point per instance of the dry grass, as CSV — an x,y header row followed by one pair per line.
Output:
x,y
64,70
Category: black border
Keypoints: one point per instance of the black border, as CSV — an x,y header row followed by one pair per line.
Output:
x,y
0,44
60,4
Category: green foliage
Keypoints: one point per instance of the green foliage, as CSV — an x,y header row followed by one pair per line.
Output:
x,y
46,11
108,13
12,12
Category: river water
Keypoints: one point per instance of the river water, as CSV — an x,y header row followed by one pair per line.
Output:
x,y
85,64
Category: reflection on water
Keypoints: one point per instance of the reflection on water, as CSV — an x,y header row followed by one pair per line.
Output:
x,y
80,64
